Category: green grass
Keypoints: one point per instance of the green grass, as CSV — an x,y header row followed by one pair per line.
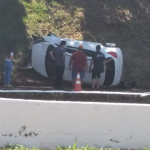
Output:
x,y
74,147
123,22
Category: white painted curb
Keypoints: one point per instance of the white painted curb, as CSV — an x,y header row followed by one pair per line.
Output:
x,y
78,92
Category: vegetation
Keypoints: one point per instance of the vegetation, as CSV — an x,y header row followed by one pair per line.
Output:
x,y
74,147
20,147
124,22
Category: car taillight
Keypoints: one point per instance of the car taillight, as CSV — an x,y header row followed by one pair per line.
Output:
x,y
113,54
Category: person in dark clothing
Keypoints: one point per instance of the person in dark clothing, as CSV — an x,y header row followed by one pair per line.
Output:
x,y
58,54
98,60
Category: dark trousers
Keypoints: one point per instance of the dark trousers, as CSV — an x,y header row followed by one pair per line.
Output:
x,y
59,76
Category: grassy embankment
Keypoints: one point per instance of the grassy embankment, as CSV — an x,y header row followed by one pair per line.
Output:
x,y
123,22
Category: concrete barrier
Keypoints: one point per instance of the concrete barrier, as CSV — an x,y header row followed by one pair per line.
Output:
x,y
84,96
46,124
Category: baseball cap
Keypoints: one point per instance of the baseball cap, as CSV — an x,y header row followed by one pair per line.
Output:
x,y
80,47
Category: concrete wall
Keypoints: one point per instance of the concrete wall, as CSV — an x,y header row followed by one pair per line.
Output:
x,y
47,124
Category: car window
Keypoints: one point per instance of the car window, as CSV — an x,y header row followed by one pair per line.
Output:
x,y
88,53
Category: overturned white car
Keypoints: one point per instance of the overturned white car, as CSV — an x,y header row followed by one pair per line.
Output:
x,y
44,64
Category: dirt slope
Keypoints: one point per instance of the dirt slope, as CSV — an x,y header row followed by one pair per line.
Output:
x,y
125,22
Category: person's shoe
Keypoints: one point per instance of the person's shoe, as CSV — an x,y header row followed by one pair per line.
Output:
x,y
9,85
5,85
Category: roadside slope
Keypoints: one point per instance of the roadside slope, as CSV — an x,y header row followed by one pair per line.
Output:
x,y
123,22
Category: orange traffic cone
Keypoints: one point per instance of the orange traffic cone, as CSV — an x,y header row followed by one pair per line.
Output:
x,y
77,86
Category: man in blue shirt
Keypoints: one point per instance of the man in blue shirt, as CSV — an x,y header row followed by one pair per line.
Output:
x,y
58,54
98,60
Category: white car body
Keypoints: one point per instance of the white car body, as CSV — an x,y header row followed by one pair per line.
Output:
x,y
41,59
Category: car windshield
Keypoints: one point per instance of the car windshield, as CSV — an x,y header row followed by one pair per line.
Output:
x,y
88,53
70,50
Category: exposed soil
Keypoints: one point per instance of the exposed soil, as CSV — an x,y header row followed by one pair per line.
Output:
x,y
124,22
